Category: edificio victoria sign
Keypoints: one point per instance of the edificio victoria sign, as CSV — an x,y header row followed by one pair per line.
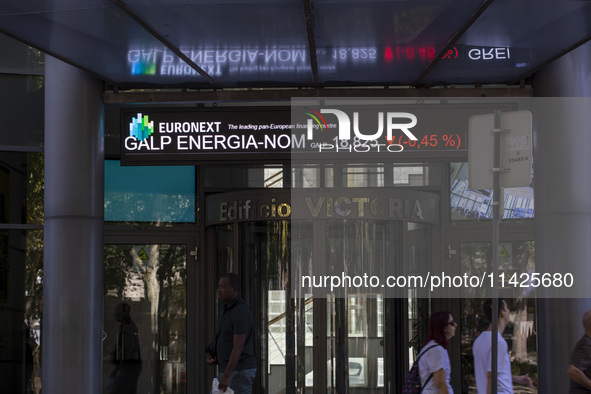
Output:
x,y
326,204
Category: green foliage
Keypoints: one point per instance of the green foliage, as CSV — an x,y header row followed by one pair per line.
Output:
x,y
34,239
117,265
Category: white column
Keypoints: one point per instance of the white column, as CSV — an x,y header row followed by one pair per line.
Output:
x,y
73,232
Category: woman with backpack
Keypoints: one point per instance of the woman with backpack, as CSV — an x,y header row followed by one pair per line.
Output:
x,y
434,366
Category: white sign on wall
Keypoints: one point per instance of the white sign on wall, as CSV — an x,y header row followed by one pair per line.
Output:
x,y
515,150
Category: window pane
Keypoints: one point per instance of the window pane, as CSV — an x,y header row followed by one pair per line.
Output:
x,y
21,118
363,176
468,204
416,175
18,56
227,178
307,176
21,184
21,292
144,337
149,194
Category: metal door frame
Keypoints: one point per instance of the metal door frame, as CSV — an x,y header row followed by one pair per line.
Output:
x,y
195,309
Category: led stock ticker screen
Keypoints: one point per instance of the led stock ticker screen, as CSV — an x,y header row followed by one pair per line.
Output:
x,y
190,136
362,63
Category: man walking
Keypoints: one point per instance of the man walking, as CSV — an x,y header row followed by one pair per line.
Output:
x,y
482,352
579,369
234,348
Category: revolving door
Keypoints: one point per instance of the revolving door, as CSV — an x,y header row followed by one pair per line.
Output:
x,y
358,343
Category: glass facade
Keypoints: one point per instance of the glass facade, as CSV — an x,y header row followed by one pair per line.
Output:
x,y
366,340
21,216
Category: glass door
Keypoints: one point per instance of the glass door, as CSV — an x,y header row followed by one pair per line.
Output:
x,y
145,317
355,329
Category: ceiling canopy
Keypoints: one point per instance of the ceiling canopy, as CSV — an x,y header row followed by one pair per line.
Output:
x,y
217,44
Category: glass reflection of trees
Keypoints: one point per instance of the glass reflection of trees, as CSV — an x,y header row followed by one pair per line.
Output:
x,y
514,257
34,241
157,274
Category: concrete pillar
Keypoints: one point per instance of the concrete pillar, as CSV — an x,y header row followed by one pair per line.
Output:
x,y
563,207
73,245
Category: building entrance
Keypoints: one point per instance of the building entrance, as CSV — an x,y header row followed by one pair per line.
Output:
x,y
357,342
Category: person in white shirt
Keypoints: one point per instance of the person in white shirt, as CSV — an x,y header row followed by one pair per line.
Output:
x,y
434,366
481,349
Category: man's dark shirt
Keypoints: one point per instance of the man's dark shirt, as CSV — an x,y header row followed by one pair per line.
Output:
x,y
235,320
581,358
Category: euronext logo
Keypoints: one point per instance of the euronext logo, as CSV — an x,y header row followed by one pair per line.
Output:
x,y
141,127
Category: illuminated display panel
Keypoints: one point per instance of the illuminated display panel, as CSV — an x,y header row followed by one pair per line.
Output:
x,y
193,136
328,132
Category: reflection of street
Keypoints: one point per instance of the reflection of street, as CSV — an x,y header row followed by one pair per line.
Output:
x,y
126,363
468,204
151,280
126,358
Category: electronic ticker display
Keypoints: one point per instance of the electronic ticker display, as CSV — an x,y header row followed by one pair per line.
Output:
x,y
368,130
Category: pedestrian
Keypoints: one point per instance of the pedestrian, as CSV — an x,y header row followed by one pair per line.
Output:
x,y
434,365
481,349
234,345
